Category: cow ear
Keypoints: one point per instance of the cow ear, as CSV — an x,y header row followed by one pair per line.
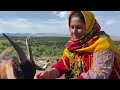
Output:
x,y
5,53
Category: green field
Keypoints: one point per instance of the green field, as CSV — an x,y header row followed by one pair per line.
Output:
x,y
41,46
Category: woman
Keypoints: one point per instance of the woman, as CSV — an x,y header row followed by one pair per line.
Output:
x,y
89,54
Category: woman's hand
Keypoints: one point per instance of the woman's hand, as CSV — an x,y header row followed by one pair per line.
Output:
x,y
48,74
42,75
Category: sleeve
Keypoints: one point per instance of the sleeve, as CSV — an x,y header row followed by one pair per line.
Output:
x,y
102,66
61,67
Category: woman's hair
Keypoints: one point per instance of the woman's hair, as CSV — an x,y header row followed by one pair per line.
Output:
x,y
77,14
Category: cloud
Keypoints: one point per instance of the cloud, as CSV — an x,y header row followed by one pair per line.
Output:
x,y
27,25
116,11
112,21
54,12
60,14
110,25
109,22
15,23
59,24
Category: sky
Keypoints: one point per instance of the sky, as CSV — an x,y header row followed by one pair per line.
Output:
x,y
53,21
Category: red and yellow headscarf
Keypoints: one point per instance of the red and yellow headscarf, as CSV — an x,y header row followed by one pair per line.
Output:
x,y
94,40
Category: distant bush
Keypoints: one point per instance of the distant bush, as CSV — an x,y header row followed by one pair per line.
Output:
x,y
41,46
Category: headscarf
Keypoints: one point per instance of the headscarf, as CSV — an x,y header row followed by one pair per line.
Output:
x,y
94,40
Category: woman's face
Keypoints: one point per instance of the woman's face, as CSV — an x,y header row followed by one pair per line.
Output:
x,y
77,28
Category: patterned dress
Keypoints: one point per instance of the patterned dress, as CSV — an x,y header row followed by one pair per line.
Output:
x,y
99,65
